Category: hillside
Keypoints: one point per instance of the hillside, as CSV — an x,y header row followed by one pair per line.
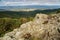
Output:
x,y
18,14
43,27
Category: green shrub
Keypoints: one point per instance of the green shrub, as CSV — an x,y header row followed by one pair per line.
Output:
x,y
8,24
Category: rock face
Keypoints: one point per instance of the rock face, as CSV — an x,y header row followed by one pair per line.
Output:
x,y
43,27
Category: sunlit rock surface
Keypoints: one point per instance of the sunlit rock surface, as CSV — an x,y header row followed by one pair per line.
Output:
x,y
43,27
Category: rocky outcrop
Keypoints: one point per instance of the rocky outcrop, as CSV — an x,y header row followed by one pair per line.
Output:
x,y
43,27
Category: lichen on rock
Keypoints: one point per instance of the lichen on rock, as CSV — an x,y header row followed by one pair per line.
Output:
x,y
43,27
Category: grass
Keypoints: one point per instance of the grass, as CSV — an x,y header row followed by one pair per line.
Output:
x,y
8,24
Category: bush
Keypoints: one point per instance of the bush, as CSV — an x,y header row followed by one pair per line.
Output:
x,y
8,24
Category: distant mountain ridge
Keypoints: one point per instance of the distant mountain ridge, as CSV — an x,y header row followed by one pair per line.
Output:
x,y
29,6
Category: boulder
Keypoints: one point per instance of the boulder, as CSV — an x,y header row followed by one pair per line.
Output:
x,y
43,27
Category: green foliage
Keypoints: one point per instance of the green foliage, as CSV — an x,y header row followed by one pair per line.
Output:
x,y
8,24
18,14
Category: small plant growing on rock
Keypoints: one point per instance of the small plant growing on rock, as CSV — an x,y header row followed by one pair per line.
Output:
x,y
27,35
45,22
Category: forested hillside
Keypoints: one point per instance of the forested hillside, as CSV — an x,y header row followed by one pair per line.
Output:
x,y
18,14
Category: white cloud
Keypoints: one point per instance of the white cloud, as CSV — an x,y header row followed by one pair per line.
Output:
x,y
29,2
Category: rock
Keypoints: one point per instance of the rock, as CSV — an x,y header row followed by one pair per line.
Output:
x,y
43,27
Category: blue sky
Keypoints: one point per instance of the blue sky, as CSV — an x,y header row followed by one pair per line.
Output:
x,y
28,2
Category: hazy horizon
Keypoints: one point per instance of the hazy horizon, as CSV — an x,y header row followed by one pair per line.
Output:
x,y
11,4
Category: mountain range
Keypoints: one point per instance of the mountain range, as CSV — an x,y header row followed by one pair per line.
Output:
x,y
30,6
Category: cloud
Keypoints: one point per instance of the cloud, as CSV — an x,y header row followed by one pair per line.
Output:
x,y
28,2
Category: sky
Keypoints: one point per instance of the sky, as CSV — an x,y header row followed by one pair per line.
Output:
x,y
28,2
